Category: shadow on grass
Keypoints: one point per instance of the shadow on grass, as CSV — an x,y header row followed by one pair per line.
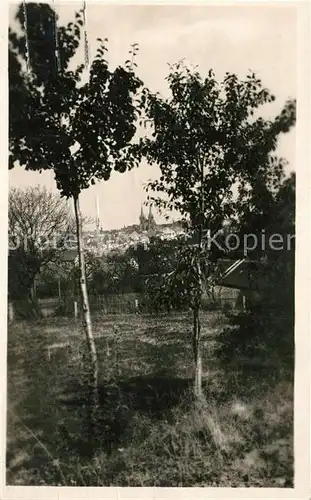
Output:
x,y
153,395
47,398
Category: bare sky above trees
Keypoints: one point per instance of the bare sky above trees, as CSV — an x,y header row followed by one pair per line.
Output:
x,y
235,39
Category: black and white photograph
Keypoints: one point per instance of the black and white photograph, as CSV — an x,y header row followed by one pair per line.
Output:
x,y
151,246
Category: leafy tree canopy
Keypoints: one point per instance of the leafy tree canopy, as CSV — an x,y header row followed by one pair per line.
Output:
x,y
81,130
210,141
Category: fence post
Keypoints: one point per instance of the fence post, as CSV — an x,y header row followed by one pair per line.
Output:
x,y
75,304
11,312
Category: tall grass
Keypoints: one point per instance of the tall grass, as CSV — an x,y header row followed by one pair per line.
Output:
x,y
150,431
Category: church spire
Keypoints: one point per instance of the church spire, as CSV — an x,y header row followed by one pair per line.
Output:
x,y
151,221
142,219
97,214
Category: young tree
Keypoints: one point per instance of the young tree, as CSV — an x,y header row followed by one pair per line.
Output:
x,y
214,151
82,130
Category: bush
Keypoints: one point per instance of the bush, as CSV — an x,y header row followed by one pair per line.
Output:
x,y
27,309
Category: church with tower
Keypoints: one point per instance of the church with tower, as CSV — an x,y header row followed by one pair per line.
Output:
x,y
147,223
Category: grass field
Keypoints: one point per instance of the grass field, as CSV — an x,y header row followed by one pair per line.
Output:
x,y
152,434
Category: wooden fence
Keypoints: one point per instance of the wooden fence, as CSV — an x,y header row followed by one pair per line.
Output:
x,y
128,303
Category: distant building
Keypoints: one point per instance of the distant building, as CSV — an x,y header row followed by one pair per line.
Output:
x,y
167,233
147,223
241,281
118,240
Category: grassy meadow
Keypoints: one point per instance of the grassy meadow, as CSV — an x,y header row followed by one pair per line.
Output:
x,y
151,433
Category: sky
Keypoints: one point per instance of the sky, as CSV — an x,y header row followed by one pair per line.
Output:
x,y
239,38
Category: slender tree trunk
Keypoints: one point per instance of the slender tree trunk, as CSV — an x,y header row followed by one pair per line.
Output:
x,y
32,285
92,363
33,299
33,292
198,393
196,334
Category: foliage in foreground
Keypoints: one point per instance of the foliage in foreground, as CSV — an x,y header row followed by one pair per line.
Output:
x,y
266,330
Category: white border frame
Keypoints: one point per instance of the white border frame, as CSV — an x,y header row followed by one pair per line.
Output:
x,y
302,293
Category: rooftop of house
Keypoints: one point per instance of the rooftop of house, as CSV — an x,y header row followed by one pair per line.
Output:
x,y
240,274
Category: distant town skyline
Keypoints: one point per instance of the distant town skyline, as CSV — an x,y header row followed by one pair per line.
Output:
x,y
260,38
